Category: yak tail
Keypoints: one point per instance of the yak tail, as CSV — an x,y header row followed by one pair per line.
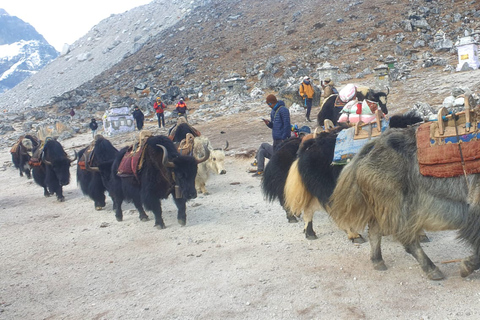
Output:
x,y
297,197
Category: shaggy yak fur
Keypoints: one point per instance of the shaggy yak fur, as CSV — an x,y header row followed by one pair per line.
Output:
x,y
329,111
23,153
282,179
94,179
54,172
157,179
382,187
276,171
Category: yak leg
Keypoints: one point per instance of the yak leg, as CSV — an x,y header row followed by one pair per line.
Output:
x,y
308,218
29,175
181,204
21,172
137,202
117,204
59,191
469,265
432,271
375,238
422,236
157,211
355,237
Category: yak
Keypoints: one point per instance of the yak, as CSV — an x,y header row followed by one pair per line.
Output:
x,y
382,186
179,132
330,111
22,152
164,172
214,164
51,168
94,169
301,176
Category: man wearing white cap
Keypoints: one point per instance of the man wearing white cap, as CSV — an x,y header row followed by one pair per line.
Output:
x,y
306,92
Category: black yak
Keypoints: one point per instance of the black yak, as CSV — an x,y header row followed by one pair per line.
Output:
x,y
164,172
180,130
22,152
383,187
51,168
331,112
94,168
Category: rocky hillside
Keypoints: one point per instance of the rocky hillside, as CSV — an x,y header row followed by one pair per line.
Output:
x,y
23,51
274,43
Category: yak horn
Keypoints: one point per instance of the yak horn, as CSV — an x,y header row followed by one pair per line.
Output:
x,y
388,90
226,146
207,155
44,160
76,155
165,161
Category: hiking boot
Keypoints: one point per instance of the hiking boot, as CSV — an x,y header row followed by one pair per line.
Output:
x,y
254,163
257,174
308,120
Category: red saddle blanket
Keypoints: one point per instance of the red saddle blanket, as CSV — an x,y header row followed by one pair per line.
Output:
x,y
131,162
441,158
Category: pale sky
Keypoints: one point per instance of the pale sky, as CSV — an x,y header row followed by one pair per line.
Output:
x,y
65,21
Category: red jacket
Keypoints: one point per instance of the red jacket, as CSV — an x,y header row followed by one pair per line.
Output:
x,y
159,107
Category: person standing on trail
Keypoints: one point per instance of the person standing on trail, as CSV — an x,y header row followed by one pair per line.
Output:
x,y
93,126
181,108
159,107
139,117
307,91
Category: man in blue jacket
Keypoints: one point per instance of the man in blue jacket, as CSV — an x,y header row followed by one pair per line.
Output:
x,y
281,129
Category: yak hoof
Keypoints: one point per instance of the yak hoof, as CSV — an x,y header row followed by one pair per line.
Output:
x,y
182,222
423,238
466,268
119,219
144,218
98,208
311,236
292,219
435,274
358,240
60,199
159,226
379,266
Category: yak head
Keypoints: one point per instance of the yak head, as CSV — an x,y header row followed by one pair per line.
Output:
x,y
56,160
217,160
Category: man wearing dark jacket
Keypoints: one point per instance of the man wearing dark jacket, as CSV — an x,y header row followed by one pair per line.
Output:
x,y
139,117
93,126
281,129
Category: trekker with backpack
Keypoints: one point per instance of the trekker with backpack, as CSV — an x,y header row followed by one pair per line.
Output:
x,y
306,92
